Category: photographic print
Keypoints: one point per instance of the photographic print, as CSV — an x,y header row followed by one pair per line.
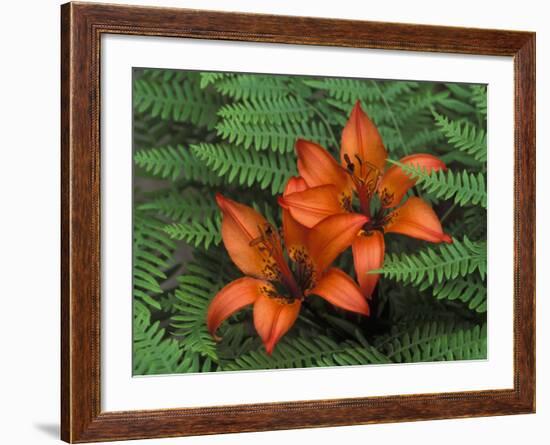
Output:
x,y
284,221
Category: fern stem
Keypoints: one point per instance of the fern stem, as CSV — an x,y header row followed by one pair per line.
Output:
x,y
448,212
390,111
326,124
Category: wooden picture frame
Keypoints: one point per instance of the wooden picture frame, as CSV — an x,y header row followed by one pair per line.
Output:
x,y
82,26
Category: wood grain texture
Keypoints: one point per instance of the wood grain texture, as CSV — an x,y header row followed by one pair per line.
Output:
x,y
81,28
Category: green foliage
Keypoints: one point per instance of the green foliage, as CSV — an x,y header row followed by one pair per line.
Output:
x,y
173,163
307,352
276,111
175,97
479,98
204,277
154,353
464,188
184,206
435,342
151,253
196,233
464,136
196,134
468,290
253,87
277,137
433,265
248,168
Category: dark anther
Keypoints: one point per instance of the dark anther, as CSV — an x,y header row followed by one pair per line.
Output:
x,y
349,165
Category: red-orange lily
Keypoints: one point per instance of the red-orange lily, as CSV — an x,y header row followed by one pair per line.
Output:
x,y
277,283
334,189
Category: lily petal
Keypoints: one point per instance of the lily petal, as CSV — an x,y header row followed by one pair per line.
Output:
x,y
332,236
295,184
395,182
295,234
230,299
311,206
368,254
318,167
340,290
417,219
273,317
242,225
360,138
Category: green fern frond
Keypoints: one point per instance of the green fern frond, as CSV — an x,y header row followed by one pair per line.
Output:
x,y
152,352
464,136
263,136
253,86
197,233
469,223
463,187
173,163
461,91
151,251
187,205
274,111
435,264
351,90
435,342
176,98
204,277
408,305
412,107
266,169
424,138
469,290
300,352
479,98
164,75
212,78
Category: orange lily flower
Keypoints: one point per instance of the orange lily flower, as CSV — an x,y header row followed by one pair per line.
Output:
x,y
277,283
349,187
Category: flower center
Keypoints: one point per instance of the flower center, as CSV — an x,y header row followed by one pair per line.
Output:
x,y
269,244
381,217
365,177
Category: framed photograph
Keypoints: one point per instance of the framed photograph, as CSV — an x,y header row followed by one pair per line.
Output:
x,y
275,222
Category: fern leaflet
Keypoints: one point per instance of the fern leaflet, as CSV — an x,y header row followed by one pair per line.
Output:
x,y
465,188
464,136
433,265
205,276
247,167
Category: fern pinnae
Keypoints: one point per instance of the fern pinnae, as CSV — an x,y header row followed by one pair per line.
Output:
x,y
152,250
276,137
206,274
177,98
265,169
435,341
188,205
469,290
202,234
253,86
274,111
463,187
479,98
152,352
464,136
435,264
301,352
175,163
